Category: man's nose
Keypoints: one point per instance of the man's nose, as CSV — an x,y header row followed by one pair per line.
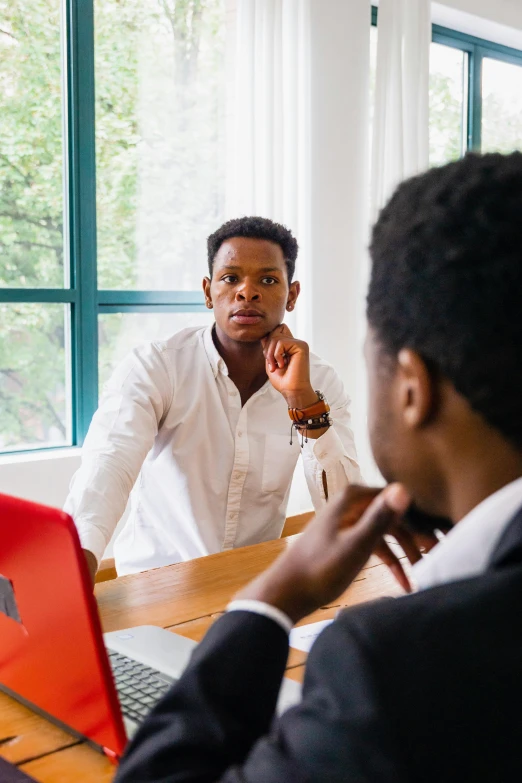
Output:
x,y
248,293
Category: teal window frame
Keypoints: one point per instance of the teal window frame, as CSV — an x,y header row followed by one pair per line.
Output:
x,y
477,49
85,300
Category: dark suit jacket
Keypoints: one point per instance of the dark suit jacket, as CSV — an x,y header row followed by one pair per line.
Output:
x,y
425,688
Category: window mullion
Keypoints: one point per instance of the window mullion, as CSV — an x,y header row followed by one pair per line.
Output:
x,y
475,99
79,32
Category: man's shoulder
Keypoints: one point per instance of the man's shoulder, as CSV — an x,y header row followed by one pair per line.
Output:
x,y
459,606
186,340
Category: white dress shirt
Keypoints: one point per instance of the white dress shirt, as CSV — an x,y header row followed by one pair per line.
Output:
x,y
208,473
468,547
463,553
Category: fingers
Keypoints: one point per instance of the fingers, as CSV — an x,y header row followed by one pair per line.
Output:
x,y
384,510
390,559
408,544
277,346
366,535
275,355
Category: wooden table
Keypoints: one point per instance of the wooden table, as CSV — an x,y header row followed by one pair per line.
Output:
x,y
185,598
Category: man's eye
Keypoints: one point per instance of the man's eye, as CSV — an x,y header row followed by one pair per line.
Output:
x,y
229,278
269,280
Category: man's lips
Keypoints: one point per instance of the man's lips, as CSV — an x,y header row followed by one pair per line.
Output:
x,y
247,316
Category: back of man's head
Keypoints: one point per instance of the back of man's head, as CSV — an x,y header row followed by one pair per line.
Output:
x,y
447,280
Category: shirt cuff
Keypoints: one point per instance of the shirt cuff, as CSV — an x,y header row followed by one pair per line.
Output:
x,y
266,610
94,541
328,449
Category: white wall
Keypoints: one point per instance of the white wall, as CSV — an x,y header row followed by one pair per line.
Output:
x,y
504,12
41,476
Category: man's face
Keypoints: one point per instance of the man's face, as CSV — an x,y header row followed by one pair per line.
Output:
x,y
249,288
398,394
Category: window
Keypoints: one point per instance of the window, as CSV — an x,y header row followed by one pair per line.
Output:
x,y
447,103
475,94
501,105
111,177
35,334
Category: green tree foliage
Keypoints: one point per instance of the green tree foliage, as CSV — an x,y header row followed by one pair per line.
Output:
x,y
32,361
31,222
160,175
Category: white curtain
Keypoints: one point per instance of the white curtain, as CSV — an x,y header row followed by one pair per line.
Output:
x,y
399,144
268,119
298,121
400,130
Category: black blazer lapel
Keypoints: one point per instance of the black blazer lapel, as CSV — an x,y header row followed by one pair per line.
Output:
x,y
509,549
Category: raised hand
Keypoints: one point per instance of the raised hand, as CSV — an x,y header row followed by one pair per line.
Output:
x,y
288,367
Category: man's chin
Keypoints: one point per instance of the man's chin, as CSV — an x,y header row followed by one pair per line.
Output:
x,y
251,333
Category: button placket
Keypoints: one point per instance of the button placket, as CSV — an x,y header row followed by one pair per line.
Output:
x,y
237,480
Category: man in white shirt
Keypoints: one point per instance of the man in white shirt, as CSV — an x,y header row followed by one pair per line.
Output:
x,y
203,419
426,687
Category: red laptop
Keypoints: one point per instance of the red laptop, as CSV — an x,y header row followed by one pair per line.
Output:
x,y
53,655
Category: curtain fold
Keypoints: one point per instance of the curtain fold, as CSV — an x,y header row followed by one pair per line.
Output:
x,y
269,123
400,130
298,152
269,127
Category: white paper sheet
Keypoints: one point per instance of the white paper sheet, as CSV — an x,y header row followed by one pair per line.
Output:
x,y
303,637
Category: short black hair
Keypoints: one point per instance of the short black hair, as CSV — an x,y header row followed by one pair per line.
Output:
x,y
255,228
447,280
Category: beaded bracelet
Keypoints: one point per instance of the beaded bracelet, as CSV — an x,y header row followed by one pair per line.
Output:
x,y
314,423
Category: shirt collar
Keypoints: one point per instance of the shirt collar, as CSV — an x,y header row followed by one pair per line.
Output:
x,y
467,549
216,360
218,363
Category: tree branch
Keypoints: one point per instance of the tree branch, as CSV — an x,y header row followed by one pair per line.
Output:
x,y
49,223
56,248
6,32
28,181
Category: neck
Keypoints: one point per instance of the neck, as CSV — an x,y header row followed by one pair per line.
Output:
x,y
476,485
245,361
476,467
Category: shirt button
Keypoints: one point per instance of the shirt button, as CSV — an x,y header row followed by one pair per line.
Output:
x,y
232,394
239,434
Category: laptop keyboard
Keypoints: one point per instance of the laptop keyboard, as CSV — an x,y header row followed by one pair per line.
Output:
x,y
139,687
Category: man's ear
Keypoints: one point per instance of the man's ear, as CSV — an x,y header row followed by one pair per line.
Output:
x,y
293,292
416,389
206,287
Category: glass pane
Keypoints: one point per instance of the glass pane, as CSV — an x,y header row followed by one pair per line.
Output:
x,y
501,106
373,67
160,107
448,68
34,376
119,333
31,202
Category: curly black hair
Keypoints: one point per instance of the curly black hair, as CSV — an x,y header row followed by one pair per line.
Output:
x,y
255,228
447,280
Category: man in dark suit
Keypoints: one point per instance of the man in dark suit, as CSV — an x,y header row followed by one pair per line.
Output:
x,y
428,686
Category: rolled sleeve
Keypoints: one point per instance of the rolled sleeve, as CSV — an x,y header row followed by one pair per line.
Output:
x,y
333,455
92,538
121,434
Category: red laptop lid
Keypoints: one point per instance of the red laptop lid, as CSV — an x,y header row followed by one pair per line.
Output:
x,y
51,646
